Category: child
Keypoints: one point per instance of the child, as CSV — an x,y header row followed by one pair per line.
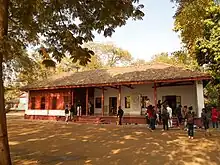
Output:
x,y
190,124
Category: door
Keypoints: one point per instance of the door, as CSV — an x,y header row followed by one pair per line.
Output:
x,y
112,105
172,101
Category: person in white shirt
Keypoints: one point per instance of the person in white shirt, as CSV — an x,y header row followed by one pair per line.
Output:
x,y
169,110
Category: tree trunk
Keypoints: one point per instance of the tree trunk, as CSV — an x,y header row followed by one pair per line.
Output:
x,y
4,147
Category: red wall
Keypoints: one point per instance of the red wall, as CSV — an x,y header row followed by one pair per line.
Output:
x,y
49,94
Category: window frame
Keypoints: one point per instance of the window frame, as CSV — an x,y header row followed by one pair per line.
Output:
x,y
66,101
54,104
33,103
143,101
43,103
98,103
127,102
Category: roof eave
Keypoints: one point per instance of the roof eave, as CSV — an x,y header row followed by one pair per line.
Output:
x,y
119,83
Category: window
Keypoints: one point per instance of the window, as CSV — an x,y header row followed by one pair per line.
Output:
x,y
54,103
65,101
33,102
143,101
98,102
42,103
178,101
128,102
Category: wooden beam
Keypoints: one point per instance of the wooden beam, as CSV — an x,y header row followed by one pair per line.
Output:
x,y
103,101
119,96
173,84
87,101
115,87
155,96
129,86
101,88
72,97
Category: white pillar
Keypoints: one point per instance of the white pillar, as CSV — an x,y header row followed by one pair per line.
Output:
x,y
199,97
27,102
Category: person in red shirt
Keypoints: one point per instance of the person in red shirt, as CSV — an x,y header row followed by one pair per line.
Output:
x,y
214,117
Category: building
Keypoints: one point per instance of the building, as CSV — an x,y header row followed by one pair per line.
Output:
x,y
106,89
18,104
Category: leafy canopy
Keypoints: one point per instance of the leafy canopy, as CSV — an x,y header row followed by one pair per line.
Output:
x,y
208,47
188,20
62,26
178,58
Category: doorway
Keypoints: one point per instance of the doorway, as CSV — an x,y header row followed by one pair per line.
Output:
x,y
172,101
112,105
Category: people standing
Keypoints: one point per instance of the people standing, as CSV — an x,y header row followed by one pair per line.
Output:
x,y
67,113
79,109
72,113
90,106
170,122
153,119
179,115
120,115
147,118
165,118
205,121
159,107
184,112
214,117
190,123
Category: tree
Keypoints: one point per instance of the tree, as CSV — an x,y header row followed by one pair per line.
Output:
x,y
179,58
188,20
110,55
207,48
138,62
54,24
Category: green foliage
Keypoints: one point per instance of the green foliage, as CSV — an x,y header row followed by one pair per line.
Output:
x,y
188,20
110,55
35,71
208,47
138,62
62,26
212,93
178,58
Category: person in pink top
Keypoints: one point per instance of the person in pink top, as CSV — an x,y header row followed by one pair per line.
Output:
x,y
214,117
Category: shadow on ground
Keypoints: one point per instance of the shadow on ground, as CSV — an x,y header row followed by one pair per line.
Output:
x,y
55,143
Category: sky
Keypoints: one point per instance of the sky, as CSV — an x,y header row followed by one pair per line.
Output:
x,y
152,35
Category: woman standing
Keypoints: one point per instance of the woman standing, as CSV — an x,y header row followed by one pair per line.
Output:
x,y
214,117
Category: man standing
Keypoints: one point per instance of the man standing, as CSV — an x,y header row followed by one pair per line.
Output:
x,y
165,118
169,110
120,115
72,113
66,114
190,123
79,109
179,115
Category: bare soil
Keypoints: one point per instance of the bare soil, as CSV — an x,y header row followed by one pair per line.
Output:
x,y
56,143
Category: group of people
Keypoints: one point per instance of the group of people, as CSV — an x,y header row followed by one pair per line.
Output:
x,y
213,116
72,111
184,115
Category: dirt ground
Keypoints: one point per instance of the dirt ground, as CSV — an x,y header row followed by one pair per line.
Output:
x,y
55,143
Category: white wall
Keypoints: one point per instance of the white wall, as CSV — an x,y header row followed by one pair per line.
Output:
x,y
187,93
45,112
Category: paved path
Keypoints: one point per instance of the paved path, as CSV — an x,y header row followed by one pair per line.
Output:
x,y
55,143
